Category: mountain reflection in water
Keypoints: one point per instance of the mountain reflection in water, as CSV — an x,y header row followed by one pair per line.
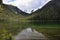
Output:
x,y
30,34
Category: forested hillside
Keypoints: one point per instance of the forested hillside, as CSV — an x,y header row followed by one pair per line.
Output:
x,y
50,11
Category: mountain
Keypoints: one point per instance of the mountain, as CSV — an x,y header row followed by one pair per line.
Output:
x,y
11,19
15,10
51,11
11,13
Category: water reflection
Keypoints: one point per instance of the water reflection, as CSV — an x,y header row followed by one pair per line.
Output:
x,y
30,34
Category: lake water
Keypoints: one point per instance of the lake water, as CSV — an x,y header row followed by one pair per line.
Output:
x,y
29,34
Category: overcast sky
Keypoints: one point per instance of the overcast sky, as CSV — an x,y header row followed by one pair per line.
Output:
x,y
27,4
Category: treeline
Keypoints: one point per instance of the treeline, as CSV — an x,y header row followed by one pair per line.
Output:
x,y
0,1
49,12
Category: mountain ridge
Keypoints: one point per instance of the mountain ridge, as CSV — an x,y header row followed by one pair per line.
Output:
x,y
15,10
51,11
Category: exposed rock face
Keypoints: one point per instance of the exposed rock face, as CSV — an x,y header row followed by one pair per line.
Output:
x,y
28,34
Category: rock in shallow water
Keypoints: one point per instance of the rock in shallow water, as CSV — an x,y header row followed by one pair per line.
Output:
x,y
30,34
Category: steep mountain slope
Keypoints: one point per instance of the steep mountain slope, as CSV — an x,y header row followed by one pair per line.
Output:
x,y
15,9
11,19
12,13
50,11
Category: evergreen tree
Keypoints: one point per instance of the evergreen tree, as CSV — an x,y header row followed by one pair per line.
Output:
x,y
0,1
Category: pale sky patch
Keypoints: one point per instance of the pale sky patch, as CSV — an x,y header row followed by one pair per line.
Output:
x,y
27,4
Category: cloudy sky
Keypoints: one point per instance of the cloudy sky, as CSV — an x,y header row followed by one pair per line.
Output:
x,y
27,4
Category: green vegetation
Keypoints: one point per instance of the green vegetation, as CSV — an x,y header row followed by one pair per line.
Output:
x,y
44,21
0,1
4,35
10,23
49,12
47,21
50,33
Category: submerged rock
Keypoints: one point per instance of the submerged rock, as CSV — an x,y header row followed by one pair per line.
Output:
x,y
30,34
